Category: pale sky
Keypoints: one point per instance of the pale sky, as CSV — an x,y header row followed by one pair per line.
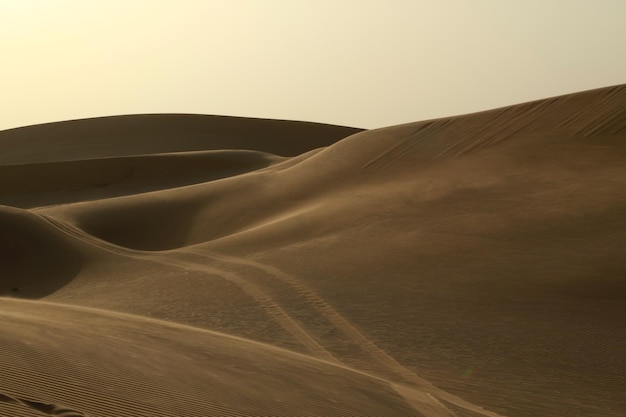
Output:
x,y
362,63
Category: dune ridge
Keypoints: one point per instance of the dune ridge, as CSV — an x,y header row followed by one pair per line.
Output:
x,y
345,163
65,182
465,266
107,137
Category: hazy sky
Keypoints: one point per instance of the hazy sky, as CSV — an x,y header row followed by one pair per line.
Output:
x,y
364,63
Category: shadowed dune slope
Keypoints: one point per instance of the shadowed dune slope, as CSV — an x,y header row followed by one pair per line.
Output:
x,y
477,260
467,154
32,185
107,137
106,364
35,258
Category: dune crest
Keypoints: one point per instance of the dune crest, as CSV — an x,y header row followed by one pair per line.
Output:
x,y
145,134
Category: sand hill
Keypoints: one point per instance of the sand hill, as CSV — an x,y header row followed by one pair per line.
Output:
x,y
183,265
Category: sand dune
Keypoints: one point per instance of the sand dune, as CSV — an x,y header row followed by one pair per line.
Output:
x,y
108,137
74,362
465,266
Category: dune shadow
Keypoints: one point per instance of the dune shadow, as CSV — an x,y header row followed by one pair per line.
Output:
x,y
45,184
35,259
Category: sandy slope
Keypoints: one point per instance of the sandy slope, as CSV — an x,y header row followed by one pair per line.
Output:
x,y
72,361
475,263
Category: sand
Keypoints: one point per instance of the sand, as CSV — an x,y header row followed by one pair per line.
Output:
x,y
186,265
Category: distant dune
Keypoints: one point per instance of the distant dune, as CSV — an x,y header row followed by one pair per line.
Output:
x,y
145,134
186,265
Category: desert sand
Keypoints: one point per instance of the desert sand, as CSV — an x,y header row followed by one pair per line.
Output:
x,y
187,265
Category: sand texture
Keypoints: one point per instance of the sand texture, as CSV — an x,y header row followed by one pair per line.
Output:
x,y
186,265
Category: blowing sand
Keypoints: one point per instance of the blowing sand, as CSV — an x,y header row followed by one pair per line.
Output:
x,y
182,265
